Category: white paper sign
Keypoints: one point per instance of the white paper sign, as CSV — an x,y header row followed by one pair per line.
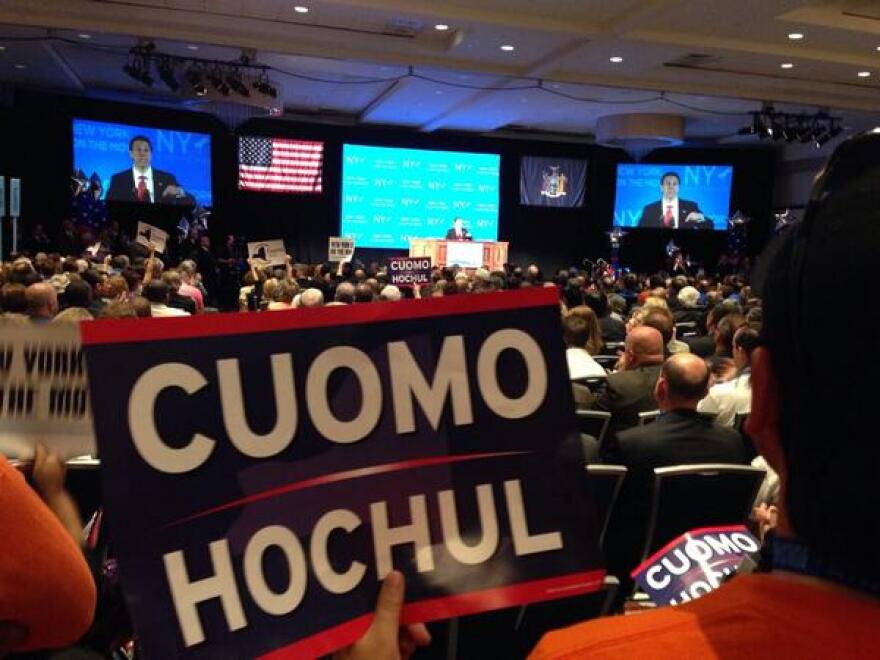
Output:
x,y
268,252
466,254
151,236
44,394
340,248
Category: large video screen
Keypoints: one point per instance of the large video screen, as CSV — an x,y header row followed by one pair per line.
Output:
x,y
390,195
673,196
143,165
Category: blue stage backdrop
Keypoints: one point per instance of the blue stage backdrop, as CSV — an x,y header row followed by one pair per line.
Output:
x,y
638,187
102,148
390,195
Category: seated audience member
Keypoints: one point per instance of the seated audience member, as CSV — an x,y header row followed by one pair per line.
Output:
x,y
283,295
679,436
721,361
47,594
363,293
689,309
345,293
594,343
72,315
143,309
188,278
576,335
704,345
120,309
311,298
13,298
157,293
390,293
630,390
733,397
617,305
661,319
42,302
172,279
822,598
613,330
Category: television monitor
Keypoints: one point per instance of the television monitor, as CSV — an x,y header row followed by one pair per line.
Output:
x,y
392,194
673,196
112,158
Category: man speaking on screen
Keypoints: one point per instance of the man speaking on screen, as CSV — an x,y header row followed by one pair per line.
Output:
x,y
671,212
143,183
458,232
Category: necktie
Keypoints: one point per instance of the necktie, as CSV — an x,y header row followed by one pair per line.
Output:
x,y
142,189
667,218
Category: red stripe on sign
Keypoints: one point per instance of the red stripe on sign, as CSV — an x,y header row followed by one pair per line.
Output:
x,y
441,608
694,532
123,331
346,475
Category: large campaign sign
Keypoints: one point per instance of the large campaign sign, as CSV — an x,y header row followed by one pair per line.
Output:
x,y
695,563
409,271
264,472
390,195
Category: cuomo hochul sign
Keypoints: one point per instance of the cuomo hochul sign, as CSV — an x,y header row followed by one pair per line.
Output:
x,y
264,472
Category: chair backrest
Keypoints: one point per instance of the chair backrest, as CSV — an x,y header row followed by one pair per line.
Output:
x,y
603,486
593,422
612,347
648,417
606,361
690,496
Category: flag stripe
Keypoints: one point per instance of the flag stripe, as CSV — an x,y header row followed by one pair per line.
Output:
x,y
280,165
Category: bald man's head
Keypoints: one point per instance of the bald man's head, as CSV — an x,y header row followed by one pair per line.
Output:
x,y
644,346
684,380
42,301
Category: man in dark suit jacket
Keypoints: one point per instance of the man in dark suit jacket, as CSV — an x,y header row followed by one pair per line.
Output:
x,y
630,390
671,212
142,183
680,436
458,232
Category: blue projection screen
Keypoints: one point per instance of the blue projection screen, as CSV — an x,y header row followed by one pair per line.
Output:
x,y
102,148
390,195
704,188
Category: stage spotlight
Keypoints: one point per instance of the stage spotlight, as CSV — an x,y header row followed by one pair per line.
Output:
x,y
835,130
194,78
263,86
166,73
776,131
138,69
217,83
821,138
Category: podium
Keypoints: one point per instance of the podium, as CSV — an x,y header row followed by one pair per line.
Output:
x,y
467,254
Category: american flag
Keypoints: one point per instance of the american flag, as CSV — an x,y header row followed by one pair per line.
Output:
x,y
277,165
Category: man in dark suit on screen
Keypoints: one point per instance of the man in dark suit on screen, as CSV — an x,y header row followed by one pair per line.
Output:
x,y
142,183
458,232
671,212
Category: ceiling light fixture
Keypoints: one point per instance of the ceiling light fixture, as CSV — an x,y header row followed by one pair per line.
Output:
x,y
441,26
166,74
194,78
192,47
864,74
301,9
507,47
20,66
796,36
818,128
616,59
786,65
83,35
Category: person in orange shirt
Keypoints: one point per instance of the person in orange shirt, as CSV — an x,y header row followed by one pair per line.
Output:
x,y
47,593
814,424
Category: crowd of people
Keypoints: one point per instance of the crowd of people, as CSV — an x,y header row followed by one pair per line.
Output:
x,y
704,353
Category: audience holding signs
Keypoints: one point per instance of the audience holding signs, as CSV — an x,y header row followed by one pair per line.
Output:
x,y
809,422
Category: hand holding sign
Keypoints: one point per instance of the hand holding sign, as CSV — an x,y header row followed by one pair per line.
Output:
x,y
386,638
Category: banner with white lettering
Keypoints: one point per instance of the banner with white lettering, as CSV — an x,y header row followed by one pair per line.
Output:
x,y
340,248
695,563
151,237
409,271
271,253
264,472
43,391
